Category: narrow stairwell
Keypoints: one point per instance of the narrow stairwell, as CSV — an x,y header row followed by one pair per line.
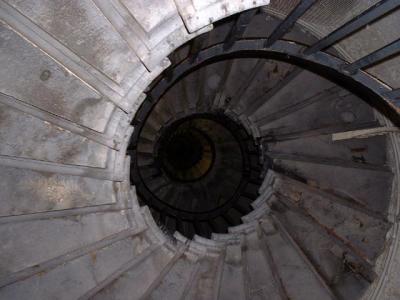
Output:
x,y
199,149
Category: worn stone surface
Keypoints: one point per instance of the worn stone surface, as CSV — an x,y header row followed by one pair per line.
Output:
x,y
174,283
355,184
23,135
198,13
71,280
295,91
366,150
327,112
136,281
81,28
293,270
257,269
26,244
46,84
206,283
233,277
25,191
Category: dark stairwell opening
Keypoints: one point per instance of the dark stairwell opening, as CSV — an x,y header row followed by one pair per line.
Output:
x,y
232,131
199,175
217,120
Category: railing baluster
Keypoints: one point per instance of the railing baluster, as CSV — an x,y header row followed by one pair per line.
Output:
x,y
289,21
375,57
367,17
393,94
239,28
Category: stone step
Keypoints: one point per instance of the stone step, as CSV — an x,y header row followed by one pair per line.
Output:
x,y
346,182
112,80
205,284
174,283
135,281
362,151
289,92
38,242
48,86
259,278
78,274
21,134
346,110
331,262
232,281
296,274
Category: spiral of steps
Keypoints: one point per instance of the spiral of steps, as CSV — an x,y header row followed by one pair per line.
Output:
x,y
199,173
176,149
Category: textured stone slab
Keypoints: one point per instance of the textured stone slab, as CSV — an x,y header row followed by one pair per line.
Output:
x,y
293,91
30,243
84,30
33,77
368,150
25,136
25,192
362,231
199,13
232,281
134,283
152,28
260,280
174,283
361,186
299,280
74,278
206,283
325,111
327,256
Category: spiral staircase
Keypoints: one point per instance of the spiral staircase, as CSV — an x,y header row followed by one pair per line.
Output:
x,y
199,149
